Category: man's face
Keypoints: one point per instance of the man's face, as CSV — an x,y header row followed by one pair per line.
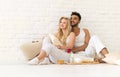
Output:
x,y
74,20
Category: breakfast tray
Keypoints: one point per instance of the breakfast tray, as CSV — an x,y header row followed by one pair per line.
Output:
x,y
83,63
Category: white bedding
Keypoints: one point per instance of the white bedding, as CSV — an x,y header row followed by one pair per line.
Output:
x,y
10,66
55,70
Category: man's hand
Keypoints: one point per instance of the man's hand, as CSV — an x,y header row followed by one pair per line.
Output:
x,y
74,50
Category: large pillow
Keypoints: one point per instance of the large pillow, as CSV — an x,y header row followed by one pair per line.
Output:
x,y
55,40
31,49
112,58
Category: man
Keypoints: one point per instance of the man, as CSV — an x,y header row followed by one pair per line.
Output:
x,y
90,45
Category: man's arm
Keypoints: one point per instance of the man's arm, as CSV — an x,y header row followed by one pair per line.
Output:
x,y
83,47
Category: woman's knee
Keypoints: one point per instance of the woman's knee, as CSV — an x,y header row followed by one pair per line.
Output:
x,y
46,40
48,48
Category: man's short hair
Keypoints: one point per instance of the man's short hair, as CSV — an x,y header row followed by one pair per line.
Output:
x,y
77,14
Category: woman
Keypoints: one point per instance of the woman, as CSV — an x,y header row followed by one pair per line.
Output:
x,y
65,36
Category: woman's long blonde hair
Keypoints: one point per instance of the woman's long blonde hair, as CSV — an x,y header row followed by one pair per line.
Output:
x,y
62,38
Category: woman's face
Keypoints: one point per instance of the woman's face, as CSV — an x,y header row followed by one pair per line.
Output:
x,y
63,24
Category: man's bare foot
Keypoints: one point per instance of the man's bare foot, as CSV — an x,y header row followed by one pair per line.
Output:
x,y
99,60
104,51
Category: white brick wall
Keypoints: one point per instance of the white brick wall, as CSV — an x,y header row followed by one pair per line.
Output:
x,y
26,20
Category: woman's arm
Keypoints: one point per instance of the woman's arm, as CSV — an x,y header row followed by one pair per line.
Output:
x,y
83,47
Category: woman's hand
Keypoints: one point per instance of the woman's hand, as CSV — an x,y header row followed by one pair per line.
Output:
x,y
58,46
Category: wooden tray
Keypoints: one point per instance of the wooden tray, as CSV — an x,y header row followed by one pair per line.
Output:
x,y
82,63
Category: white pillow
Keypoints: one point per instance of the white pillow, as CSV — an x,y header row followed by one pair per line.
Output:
x,y
112,58
31,49
55,40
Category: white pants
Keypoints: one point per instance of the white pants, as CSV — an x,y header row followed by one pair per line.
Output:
x,y
53,52
94,47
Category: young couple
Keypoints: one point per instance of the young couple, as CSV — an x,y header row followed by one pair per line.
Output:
x,y
72,37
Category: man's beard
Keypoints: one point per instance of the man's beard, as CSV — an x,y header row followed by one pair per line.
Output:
x,y
75,25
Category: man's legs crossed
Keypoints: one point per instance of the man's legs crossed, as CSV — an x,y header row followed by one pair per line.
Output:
x,y
96,48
